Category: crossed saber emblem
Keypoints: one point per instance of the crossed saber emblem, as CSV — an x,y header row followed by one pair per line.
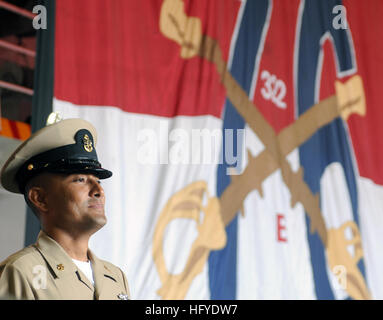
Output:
x,y
188,202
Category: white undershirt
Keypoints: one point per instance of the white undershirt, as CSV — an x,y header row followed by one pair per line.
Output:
x,y
86,268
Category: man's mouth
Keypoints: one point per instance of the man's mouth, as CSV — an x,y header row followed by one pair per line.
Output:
x,y
96,205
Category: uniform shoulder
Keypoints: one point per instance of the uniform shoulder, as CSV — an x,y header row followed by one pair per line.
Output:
x,y
111,267
20,258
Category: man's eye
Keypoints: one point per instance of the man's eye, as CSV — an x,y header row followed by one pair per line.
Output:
x,y
79,180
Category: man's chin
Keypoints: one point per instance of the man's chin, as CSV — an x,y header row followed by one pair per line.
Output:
x,y
95,222
100,221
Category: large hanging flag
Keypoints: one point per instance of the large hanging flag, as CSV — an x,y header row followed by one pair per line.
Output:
x,y
244,138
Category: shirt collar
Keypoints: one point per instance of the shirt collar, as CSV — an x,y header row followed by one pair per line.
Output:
x,y
61,263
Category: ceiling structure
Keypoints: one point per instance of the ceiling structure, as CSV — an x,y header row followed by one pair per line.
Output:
x,y
17,64
17,50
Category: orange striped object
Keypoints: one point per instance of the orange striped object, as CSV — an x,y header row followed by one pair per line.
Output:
x,y
15,129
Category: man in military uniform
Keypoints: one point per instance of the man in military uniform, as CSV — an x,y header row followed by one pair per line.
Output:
x,y
58,172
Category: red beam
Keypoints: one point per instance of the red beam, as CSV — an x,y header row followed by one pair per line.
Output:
x,y
15,87
17,10
17,48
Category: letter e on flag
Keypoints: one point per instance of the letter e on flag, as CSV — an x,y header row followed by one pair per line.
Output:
x,y
281,236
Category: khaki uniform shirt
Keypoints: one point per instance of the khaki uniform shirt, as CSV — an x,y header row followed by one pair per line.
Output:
x,y
45,271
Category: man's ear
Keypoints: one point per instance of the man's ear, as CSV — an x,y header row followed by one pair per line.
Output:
x,y
37,196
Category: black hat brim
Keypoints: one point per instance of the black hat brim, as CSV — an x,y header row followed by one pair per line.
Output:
x,y
98,172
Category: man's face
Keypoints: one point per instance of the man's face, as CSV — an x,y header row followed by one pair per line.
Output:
x,y
75,202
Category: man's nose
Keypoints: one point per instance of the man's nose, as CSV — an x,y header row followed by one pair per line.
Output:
x,y
97,190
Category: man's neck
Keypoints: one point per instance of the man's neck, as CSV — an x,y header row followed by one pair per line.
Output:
x,y
75,246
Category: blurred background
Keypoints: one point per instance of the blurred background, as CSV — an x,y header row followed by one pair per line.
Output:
x,y
17,66
244,137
